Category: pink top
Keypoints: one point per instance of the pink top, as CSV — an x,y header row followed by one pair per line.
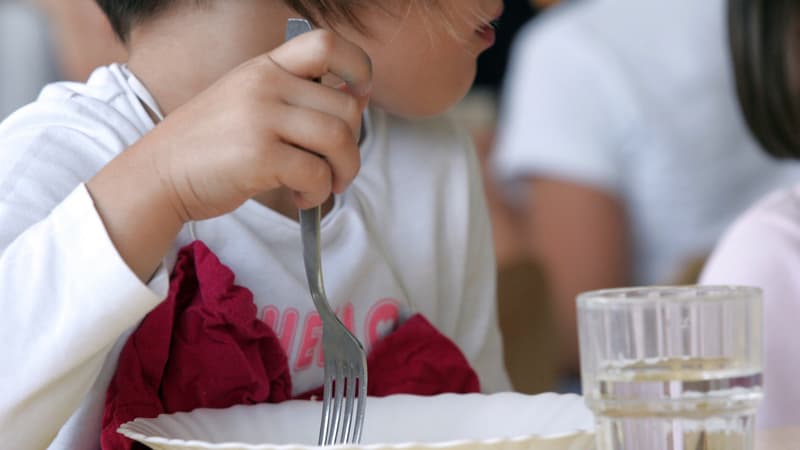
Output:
x,y
762,249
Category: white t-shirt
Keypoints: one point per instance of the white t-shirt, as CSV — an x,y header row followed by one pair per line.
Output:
x,y
762,249
636,98
410,235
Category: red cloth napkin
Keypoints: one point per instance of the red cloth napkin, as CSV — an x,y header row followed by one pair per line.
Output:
x,y
416,359
204,347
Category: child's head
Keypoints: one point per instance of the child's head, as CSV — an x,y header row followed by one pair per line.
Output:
x,y
423,52
765,43
124,14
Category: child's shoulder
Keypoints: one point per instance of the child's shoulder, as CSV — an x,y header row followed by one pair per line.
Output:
x,y
775,216
102,109
783,202
104,84
71,127
761,247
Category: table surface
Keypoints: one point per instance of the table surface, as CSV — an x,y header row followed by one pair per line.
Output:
x,y
778,439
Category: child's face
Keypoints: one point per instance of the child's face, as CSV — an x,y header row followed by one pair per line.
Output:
x,y
422,64
422,67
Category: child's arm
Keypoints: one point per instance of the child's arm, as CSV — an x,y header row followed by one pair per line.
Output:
x,y
72,266
66,297
245,135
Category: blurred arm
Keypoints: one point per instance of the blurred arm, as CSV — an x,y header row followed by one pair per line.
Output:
x,y
580,236
561,150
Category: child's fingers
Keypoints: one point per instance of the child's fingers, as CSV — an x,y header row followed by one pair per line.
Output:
x,y
328,136
363,102
314,54
332,101
306,174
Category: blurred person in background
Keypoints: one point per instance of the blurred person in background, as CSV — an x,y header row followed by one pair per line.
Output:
x,y
762,248
82,37
622,148
26,57
42,41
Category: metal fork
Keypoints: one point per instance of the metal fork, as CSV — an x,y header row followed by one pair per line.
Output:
x,y
345,359
345,387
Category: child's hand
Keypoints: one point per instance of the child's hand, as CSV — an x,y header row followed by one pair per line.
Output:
x,y
265,125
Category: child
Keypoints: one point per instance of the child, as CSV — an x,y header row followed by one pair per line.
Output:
x,y
761,248
215,121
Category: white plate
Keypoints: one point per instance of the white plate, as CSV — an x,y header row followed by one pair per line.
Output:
x,y
505,421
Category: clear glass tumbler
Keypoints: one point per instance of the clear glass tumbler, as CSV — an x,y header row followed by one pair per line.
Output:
x,y
672,368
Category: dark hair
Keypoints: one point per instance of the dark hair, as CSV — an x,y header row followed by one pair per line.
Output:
x,y
123,14
764,37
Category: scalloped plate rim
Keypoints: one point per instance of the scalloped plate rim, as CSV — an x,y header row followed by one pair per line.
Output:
x,y
125,429
404,445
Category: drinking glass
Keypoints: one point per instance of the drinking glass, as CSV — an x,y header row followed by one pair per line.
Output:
x,y
672,368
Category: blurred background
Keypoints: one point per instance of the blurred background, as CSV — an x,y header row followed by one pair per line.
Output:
x,y
47,40
614,152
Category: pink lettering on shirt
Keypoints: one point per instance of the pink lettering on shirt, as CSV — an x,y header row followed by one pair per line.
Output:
x,y
381,320
310,341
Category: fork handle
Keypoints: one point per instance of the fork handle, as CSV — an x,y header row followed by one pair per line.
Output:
x,y
309,226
